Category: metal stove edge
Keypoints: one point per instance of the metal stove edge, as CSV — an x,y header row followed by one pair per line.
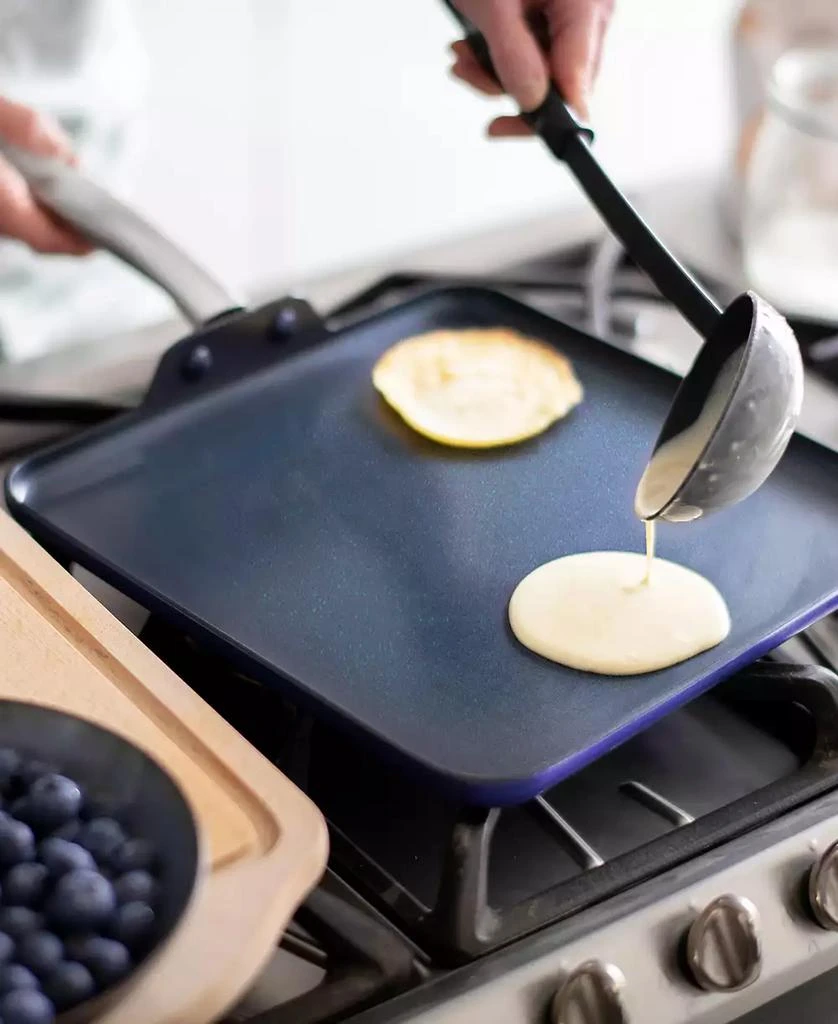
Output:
x,y
642,932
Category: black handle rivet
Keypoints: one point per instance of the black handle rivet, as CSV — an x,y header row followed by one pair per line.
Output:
x,y
197,363
286,321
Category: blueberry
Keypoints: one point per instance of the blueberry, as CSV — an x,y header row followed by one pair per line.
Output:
x,y
76,944
69,830
31,771
60,856
41,952
102,837
19,809
26,1006
19,921
25,884
133,855
135,885
82,900
106,959
7,947
17,843
9,766
96,807
51,801
69,984
132,924
13,976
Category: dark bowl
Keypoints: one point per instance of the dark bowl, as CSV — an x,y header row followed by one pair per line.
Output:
x,y
127,784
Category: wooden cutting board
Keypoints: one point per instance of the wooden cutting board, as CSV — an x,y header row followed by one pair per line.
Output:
x,y
264,841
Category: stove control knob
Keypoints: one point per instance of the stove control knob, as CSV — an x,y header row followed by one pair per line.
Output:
x,y
823,889
591,994
724,952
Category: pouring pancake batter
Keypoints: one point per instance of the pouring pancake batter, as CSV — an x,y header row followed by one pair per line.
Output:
x,y
599,612
620,613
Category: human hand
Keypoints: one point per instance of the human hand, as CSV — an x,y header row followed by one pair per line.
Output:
x,y
21,217
576,30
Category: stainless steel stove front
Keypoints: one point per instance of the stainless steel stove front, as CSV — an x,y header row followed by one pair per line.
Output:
x,y
744,908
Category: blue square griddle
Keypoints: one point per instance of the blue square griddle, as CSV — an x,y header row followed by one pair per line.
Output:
x,y
291,521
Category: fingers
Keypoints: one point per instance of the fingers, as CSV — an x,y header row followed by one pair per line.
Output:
x,y
577,33
23,219
467,69
520,64
509,128
577,30
606,13
20,215
29,130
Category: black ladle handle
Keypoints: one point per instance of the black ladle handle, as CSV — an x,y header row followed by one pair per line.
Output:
x,y
569,140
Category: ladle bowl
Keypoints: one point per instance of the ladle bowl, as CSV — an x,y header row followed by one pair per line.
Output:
x,y
754,348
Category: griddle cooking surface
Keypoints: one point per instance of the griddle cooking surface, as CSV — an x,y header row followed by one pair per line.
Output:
x,y
296,522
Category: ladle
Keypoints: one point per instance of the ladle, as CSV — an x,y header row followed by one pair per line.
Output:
x,y
737,408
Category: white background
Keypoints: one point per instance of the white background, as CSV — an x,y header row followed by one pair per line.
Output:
x,y
290,137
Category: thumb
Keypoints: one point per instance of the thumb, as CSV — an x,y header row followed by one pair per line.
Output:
x,y
519,62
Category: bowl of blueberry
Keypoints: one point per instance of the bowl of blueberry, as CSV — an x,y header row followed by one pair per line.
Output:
x,y
99,856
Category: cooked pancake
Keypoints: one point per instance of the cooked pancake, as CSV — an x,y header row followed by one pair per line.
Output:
x,y
477,388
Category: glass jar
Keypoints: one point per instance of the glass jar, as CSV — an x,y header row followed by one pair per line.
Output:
x,y
763,32
790,220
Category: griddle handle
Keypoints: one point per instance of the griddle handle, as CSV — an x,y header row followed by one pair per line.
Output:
x,y
114,225
569,139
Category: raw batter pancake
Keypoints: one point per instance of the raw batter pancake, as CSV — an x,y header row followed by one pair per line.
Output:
x,y
601,612
477,388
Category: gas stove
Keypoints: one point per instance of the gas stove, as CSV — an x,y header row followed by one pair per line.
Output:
x,y
688,875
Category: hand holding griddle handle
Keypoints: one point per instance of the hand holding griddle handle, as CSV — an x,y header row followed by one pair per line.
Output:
x,y
568,138
114,225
